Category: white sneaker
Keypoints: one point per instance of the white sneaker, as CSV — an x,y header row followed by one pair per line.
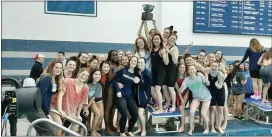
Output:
x,y
253,96
259,97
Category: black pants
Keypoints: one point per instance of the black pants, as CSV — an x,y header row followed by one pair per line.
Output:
x,y
123,105
43,128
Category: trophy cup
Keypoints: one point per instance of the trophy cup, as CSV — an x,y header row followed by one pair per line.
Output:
x,y
147,15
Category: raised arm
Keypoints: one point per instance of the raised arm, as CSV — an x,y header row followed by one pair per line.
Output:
x,y
174,53
140,29
187,49
164,55
155,26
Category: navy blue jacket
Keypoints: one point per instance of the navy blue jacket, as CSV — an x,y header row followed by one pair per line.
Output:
x,y
124,77
45,85
143,93
253,59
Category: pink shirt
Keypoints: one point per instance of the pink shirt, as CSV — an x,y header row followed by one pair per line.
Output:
x,y
71,99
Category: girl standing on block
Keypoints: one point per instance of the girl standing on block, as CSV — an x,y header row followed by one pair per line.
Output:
x,y
266,72
254,52
196,82
171,71
70,99
159,58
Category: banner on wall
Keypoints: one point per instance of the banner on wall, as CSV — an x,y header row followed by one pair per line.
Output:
x,y
77,8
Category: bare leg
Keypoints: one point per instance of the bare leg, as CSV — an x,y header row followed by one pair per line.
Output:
x,y
219,118
255,87
96,119
166,95
225,109
260,87
159,95
266,87
212,118
173,98
56,118
193,108
205,107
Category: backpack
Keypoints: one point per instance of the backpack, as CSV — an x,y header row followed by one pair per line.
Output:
x,y
237,88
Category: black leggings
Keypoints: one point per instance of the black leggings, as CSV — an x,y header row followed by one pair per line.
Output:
x,y
123,105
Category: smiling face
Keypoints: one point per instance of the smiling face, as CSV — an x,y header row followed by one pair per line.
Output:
x,y
120,55
105,68
133,62
218,55
182,69
211,58
189,61
83,76
94,64
57,69
71,65
96,76
156,40
141,64
215,66
201,56
191,70
83,58
166,33
124,61
140,43
172,40
114,56
246,66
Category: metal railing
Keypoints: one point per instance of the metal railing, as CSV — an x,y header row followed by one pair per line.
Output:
x,y
51,122
73,121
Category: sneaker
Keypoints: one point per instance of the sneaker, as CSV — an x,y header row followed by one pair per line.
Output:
x,y
259,97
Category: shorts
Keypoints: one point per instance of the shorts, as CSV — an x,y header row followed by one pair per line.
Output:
x,y
171,76
265,73
255,74
84,118
67,123
218,98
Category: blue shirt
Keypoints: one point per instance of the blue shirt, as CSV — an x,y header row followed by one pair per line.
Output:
x,y
45,85
126,78
253,59
249,85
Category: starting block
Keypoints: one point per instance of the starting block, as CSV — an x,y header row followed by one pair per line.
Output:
x,y
162,115
255,109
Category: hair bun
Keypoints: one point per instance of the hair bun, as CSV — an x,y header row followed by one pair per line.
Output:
x,y
171,27
175,32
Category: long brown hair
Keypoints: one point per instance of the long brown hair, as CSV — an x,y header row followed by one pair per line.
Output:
x,y
145,44
49,71
255,45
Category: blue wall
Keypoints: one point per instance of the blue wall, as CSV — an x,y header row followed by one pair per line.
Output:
x,y
94,47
